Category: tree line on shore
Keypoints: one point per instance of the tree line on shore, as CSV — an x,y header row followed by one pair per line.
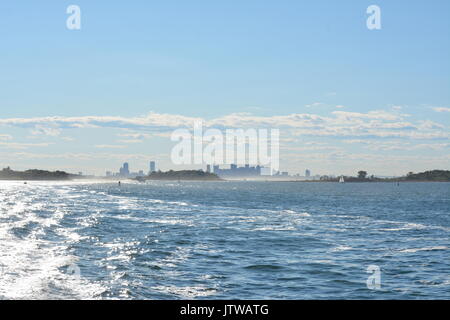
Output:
x,y
181,175
34,174
362,176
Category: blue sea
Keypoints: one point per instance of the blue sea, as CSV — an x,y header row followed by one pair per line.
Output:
x,y
224,240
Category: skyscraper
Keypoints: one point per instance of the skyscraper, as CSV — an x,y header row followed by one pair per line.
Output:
x,y
307,173
152,166
126,169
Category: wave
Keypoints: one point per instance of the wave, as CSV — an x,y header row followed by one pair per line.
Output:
x,y
341,248
187,292
300,214
413,250
263,267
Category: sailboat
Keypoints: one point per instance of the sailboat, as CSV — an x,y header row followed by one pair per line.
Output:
x,y
341,180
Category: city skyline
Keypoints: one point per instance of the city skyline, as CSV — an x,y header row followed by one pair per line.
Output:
x,y
114,91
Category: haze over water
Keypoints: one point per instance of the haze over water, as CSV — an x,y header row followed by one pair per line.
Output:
x,y
223,240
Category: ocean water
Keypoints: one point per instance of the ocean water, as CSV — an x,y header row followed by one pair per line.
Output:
x,y
223,240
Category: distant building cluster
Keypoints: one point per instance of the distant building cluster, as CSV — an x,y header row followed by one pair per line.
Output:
x,y
246,171
124,171
236,172
308,176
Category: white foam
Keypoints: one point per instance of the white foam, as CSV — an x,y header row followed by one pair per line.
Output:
x,y
412,250
31,267
341,248
186,292
301,214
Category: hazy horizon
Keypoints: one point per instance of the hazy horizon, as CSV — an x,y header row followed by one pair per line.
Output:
x,y
344,98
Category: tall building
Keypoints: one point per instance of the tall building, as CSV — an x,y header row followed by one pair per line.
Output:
x,y
152,166
307,173
125,170
208,168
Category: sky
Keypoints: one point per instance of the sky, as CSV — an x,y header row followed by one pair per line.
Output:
x,y
345,98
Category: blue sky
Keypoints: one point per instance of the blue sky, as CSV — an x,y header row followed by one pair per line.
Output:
x,y
382,97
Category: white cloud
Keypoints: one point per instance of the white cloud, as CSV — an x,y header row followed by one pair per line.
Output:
x,y
312,148
397,145
45,130
152,120
82,156
340,124
428,124
135,135
439,109
5,137
16,145
375,115
109,146
130,141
